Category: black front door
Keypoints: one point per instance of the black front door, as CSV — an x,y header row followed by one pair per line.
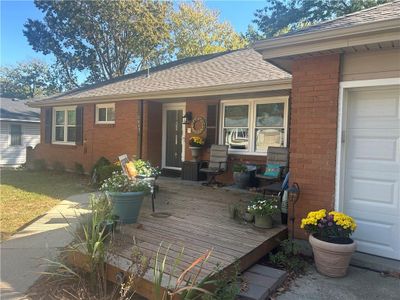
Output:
x,y
173,145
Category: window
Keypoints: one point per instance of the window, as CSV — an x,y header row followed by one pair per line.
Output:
x,y
15,135
105,113
252,126
64,125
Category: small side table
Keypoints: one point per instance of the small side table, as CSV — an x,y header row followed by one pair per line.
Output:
x,y
191,170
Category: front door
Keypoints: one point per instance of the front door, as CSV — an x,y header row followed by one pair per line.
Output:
x,y
372,169
173,136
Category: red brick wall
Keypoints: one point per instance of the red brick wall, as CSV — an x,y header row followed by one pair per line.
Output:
x,y
99,140
313,129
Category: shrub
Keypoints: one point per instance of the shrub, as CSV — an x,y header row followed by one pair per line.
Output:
x,y
79,169
58,166
102,161
288,257
39,165
105,172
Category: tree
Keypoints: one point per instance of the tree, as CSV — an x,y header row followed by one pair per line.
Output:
x,y
282,16
196,31
30,79
105,38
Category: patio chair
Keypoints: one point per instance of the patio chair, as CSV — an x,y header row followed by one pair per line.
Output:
x,y
217,164
276,156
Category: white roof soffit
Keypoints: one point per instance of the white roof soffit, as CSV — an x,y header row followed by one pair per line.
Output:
x,y
333,39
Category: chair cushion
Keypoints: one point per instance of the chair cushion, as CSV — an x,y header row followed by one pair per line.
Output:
x,y
272,170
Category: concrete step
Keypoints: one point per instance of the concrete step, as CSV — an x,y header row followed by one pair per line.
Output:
x,y
261,281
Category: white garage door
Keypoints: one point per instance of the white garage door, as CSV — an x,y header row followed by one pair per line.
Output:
x,y
372,169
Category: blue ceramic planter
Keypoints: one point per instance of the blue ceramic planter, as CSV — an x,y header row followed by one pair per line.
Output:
x,y
126,205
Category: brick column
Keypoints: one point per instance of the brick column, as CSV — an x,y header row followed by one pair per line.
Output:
x,y
313,132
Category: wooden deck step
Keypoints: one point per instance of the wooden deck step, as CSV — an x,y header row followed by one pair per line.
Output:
x,y
262,281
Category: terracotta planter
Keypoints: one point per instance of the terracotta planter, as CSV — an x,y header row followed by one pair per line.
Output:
x,y
331,259
263,221
196,151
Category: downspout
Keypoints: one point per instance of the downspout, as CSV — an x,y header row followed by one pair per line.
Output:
x,y
140,130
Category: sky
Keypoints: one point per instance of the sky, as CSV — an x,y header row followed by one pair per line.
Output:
x,y
14,46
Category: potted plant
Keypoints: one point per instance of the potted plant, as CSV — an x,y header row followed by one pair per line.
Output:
x,y
195,145
240,175
126,196
330,240
145,170
263,209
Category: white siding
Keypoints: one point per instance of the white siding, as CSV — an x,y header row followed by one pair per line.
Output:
x,y
16,155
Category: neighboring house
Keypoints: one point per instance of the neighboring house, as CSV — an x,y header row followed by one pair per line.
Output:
x,y
19,128
341,121
345,120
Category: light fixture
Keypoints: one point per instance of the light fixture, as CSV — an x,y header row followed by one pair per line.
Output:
x,y
187,118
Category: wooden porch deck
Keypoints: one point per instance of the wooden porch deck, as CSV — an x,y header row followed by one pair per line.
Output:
x,y
199,221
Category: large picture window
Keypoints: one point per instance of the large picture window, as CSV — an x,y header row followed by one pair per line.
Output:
x,y
64,125
105,113
252,126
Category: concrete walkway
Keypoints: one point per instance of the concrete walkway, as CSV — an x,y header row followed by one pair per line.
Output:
x,y
22,255
358,284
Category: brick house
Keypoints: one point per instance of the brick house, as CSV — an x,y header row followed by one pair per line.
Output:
x,y
329,92
346,153
141,114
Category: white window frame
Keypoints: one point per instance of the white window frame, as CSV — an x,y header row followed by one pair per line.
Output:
x,y
252,102
105,105
53,125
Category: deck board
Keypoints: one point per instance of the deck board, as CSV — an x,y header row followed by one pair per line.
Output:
x,y
199,221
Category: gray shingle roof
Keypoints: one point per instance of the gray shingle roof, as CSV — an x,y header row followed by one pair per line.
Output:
x,y
378,13
18,110
232,67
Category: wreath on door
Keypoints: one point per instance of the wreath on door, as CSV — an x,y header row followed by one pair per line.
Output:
x,y
198,125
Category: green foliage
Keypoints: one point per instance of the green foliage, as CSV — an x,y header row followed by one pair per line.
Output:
x,y
196,30
79,169
105,172
226,287
119,182
102,161
288,257
187,286
282,16
39,165
264,205
240,168
144,168
58,167
104,38
29,79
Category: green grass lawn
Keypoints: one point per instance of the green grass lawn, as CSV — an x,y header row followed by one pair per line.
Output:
x,y
25,195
